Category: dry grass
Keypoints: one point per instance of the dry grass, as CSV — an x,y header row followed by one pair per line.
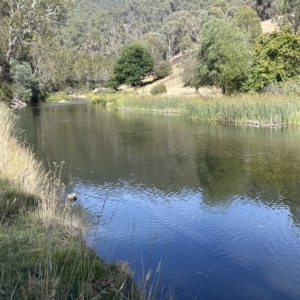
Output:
x,y
269,26
174,84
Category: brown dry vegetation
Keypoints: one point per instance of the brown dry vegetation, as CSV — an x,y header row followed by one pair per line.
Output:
x,y
269,26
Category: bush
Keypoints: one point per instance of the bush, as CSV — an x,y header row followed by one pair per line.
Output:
x,y
291,87
25,83
6,92
164,69
158,89
134,64
276,60
274,89
69,90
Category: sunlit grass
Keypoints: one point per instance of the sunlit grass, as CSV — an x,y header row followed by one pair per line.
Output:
x,y
258,109
59,96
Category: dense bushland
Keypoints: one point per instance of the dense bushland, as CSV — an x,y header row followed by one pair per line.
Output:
x,y
60,45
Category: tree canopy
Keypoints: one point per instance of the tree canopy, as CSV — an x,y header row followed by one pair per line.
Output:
x,y
276,59
248,20
134,63
23,21
224,57
290,10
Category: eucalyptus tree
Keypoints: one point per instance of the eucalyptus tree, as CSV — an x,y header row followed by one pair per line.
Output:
x,y
290,10
248,19
22,22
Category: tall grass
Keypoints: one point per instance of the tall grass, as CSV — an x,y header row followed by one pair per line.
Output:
x,y
60,96
42,253
258,109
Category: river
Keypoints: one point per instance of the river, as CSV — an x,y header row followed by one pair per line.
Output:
x,y
212,209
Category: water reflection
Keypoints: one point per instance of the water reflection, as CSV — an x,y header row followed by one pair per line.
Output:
x,y
218,203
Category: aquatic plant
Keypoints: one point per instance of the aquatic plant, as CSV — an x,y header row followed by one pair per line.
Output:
x,y
245,108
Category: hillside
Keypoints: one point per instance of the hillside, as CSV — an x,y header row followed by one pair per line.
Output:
x,y
104,27
174,82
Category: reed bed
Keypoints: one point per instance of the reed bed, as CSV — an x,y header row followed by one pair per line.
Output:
x,y
42,252
256,109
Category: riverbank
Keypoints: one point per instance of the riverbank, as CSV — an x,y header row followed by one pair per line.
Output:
x,y
258,109
42,251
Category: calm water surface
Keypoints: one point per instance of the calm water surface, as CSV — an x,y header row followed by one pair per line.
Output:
x,y
213,210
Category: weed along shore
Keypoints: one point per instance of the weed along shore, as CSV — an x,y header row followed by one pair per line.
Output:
x,y
42,252
258,109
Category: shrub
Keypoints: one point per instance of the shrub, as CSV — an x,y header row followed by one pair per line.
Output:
x,y
158,89
291,87
69,90
25,83
164,69
134,64
274,89
276,59
6,92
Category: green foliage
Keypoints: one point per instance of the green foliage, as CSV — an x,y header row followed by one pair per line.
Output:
x,y
248,19
224,57
164,69
290,10
276,59
218,9
6,92
158,89
107,99
242,108
23,23
216,12
25,83
134,63
156,44
59,96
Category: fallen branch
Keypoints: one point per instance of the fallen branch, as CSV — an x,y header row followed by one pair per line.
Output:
x,y
16,104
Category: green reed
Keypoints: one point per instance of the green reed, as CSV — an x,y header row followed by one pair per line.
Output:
x,y
263,109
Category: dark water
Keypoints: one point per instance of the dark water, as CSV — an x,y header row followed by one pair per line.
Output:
x,y
213,210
